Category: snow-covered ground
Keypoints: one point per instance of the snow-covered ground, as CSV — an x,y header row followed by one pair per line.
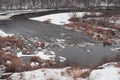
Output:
x,y
61,18
105,74
108,72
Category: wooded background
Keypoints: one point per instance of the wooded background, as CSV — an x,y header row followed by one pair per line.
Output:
x,y
42,4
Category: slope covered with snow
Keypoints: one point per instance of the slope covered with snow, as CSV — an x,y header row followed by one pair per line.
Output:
x,y
108,72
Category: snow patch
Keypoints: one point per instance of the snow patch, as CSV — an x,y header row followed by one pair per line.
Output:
x,y
3,34
105,74
115,49
62,59
61,18
41,54
33,64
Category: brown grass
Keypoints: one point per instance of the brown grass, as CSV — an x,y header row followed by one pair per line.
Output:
x,y
75,72
47,21
11,41
50,78
15,65
104,36
35,59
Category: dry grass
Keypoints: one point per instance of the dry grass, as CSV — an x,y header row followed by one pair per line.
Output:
x,y
36,59
103,34
50,78
47,21
75,72
11,41
15,64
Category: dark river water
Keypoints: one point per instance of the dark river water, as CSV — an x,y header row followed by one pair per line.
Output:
x,y
88,56
85,56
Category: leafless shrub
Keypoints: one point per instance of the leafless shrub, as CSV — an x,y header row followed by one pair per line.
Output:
x,y
75,72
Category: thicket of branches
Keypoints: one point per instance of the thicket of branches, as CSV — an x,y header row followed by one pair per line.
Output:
x,y
33,4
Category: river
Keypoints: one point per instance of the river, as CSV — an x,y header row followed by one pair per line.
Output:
x,y
84,56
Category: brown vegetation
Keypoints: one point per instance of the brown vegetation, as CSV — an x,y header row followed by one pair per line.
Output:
x,y
77,72
11,41
42,63
36,59
40,44
15,64
47,21
96,32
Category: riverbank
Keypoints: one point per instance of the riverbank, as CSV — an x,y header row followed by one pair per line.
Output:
x,y
56,43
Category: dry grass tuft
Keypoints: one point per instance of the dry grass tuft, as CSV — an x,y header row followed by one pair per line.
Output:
x,y
76,73
47,21
50,79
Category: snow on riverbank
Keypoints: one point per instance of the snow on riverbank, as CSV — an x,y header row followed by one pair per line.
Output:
x,y
41,74
108,72
61,18
115,49
3,34
45,55
105,74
